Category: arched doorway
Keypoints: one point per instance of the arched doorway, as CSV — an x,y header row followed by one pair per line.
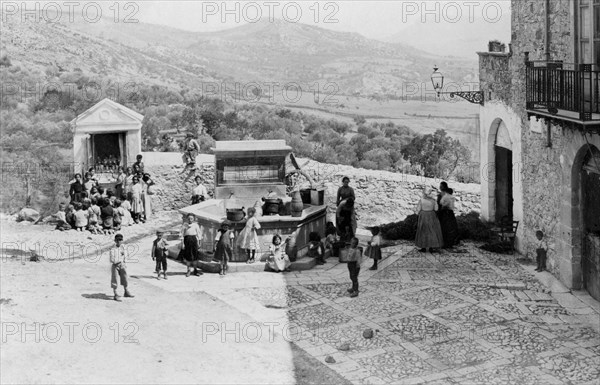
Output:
x,y
503,170
585,195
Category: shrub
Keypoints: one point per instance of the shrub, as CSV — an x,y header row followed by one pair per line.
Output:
x,y
470,226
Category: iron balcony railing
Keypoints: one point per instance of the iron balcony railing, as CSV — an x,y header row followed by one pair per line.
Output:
x,y
563,89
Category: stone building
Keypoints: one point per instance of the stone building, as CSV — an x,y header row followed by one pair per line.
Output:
x,y
540,135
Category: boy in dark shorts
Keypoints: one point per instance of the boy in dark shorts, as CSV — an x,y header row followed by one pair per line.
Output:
x,y
159,254
118,257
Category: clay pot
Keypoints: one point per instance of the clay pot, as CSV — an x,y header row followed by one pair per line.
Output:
x,y
235,215
271,206
297,205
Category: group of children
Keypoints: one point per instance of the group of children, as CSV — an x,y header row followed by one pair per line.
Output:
x,y
100,211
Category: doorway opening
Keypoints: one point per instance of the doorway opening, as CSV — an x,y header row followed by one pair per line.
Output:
x,y
504,183
590,222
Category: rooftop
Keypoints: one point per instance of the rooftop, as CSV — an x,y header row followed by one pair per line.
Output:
x,y
251,146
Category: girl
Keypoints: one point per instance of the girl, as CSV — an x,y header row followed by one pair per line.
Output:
x,y
332,240
149,187
190,234
375,247
94,193
429,231
278,261
248,239
117,218
224,246
137,207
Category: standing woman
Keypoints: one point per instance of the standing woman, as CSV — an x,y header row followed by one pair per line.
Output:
x,y
77,190
137,207
429,231
149,187
120,186
346,220
190,233
345,191
447,218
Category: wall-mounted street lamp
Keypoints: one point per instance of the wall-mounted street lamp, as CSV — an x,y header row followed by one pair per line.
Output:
x,y
437,79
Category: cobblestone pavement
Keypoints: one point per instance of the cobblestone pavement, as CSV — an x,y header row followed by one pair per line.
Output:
x,y
461,317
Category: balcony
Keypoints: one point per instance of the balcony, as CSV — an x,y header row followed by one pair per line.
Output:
x,y
565,94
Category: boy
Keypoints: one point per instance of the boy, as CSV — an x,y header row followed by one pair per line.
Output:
x,y
541,251
354,267
118,258
315,248
224,246
159,254
138,166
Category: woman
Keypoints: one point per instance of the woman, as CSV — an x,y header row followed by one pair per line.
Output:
x,y
149,187
346,219
190,234
119,187
137,206
77,190
447,218
429,231
345,191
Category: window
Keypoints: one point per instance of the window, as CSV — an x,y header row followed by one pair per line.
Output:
x,y
588,20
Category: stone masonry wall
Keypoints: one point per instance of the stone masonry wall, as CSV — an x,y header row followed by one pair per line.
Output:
x,y
382,197
495,76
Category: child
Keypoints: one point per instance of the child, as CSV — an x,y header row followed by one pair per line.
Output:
x,y
110,195
81,217
118,258
375,247
541,251
278,261
62,224
190,235
331,240
70,216
94,217
248,238
159,254
138,166
123,208
107,216
224,245
102,192
354,267
199,192
315,248
94,193
117,218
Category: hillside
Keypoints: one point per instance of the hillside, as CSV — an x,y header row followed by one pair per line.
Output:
x,y
263,52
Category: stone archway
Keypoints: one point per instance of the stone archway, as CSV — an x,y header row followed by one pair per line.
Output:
x,y
585,219
500,185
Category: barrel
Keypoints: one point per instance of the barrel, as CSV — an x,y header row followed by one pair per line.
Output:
x,y
297,205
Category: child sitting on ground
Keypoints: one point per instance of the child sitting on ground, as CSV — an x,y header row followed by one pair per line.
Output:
x,y
315,248
62,224
331,240
94,217
278,260
541,251
81,217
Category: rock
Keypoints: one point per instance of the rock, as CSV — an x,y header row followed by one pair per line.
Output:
x,y
368,333
344,347
28,214
330,360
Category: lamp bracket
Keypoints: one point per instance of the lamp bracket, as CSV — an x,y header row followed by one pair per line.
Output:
x,y
475,97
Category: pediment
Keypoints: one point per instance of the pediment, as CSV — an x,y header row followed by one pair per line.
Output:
x,y
108,113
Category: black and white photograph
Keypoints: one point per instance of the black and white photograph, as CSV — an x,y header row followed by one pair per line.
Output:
x,y
310,192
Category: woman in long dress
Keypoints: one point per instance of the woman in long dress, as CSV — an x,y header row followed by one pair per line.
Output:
x,y
278,261
190,234
447,218
248,238
147,196
137,206
346,220
429,231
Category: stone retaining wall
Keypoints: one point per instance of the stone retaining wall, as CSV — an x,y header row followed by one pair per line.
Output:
x,y
382,197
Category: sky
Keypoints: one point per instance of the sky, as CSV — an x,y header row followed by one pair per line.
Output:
x,y
371,18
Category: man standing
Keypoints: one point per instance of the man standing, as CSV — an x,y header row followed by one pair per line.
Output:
x,y
191,148
118,257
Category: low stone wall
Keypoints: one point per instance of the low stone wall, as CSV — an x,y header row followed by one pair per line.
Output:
x,y
381,197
